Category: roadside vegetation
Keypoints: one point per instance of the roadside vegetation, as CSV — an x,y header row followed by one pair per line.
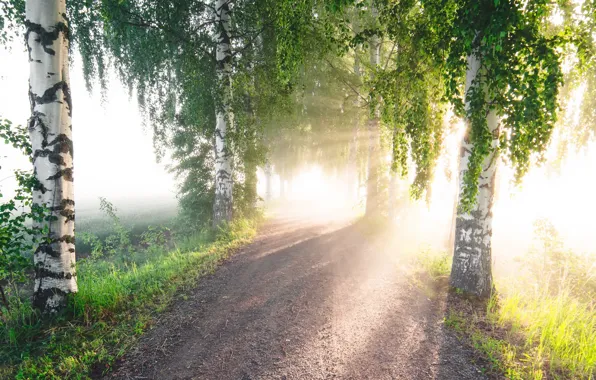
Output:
x,y
539,324
124,280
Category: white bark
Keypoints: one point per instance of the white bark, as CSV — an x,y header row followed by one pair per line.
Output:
x,y
471,269
50,129
223,204
268,182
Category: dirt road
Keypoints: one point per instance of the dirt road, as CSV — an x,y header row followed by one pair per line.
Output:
x,y
309,299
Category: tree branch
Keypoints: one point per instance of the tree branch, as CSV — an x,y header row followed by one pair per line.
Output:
x,y
347,83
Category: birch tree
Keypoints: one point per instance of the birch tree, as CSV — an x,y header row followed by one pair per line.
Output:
x,y
511,74
185,60
472,264
222,206
50,128
404,91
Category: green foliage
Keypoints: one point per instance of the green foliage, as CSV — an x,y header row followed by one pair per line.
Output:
x,y
164,51
436,264
119,239
554,268
519,77
19,217
118,298
559,330
543,324
411,90
11,16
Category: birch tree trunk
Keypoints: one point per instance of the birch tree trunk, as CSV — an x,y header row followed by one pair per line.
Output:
x,y
223,204
472,264
372,186
50,129
250,182
268,181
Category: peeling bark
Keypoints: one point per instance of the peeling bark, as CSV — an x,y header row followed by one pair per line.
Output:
x,y
223,204
50,130
472,263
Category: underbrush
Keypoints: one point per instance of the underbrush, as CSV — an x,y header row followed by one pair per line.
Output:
x,y
541,325
119,294
436,264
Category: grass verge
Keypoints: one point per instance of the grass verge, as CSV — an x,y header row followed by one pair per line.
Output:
x,y
116,303
523,333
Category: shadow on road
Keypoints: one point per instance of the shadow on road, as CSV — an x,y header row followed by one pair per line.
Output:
x,y
306,300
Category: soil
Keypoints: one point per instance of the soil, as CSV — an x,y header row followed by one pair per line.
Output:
x,y
308,299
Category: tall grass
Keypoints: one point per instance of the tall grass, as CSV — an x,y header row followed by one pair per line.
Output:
x,y
541,324
436,264
116,302
559,331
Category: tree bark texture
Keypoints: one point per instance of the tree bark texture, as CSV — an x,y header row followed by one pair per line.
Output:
x,y
472,263
223,203
50,130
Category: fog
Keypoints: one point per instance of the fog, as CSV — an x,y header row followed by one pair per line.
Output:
x,y
114,158
113,155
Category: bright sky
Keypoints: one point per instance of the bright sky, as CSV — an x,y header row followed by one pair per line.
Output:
x,y
113,155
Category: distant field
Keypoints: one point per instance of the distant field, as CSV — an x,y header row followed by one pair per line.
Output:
x,y
135,214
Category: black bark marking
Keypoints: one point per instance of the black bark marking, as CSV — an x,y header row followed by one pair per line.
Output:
x,y
70,239
224,37
65,209
219,134
41,297
69,215
63,205
45,38
64,173
46,248
41,272
50,96
62,145
37,119
223,175
475,279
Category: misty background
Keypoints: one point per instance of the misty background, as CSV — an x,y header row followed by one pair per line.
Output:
x,y
114,158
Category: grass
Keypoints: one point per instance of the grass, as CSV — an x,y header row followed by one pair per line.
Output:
x,y
436,264
559,332
116,302
526,332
